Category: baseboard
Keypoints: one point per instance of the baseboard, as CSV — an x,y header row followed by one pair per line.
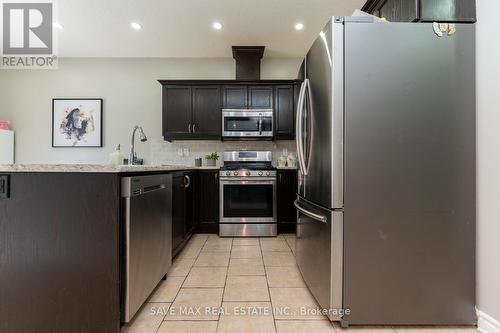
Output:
x,y
486,323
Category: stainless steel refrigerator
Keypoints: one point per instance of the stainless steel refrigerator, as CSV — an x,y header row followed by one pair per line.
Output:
x,y
386,149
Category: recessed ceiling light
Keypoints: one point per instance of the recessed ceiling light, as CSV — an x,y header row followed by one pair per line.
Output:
x,y
57,25
217,25
299,26
136,26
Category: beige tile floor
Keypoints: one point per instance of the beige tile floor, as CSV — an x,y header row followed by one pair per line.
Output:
x,y
232,285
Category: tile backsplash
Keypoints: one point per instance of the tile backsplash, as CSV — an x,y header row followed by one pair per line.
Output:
x,y
185,152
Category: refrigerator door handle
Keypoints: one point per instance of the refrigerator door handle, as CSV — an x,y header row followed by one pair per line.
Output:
x,y
300,147
309,117
298,124
312,215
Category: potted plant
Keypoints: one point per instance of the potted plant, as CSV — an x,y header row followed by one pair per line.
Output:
x,y
212,159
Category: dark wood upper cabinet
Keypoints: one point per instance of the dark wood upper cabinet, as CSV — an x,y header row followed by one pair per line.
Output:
x,y
192,109
284,112
207,116
234,97
238,97
191,112
423,10
177,112
400,10
455,11
260,97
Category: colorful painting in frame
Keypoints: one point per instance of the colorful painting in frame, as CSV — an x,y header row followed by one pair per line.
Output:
x,y
77,122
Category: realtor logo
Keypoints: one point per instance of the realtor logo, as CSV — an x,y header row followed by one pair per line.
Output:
x,y
27,28
27,35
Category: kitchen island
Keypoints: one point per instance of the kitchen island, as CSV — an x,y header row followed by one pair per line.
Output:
x,y
60,246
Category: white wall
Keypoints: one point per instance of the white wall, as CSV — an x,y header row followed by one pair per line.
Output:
x,y
488,157
131,93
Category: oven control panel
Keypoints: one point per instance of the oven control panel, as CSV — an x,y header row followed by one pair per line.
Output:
x,y
248,173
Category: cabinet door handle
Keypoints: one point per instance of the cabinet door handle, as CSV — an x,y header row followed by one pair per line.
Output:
x,y
194,128
189,128
216,176
280,177
187,181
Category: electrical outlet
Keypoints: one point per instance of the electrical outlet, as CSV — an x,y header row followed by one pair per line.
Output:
x,y
186,151
179,152
4,187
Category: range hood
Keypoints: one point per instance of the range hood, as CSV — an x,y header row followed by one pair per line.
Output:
x,y
248,61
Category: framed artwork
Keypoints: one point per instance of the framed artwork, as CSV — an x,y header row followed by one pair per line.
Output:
x,y
77,122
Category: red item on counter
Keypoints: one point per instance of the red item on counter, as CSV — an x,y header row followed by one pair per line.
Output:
x,y
5,125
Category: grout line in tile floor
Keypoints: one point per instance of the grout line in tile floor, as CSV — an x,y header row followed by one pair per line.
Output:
x,y
225,282
183,281
199,249
268,290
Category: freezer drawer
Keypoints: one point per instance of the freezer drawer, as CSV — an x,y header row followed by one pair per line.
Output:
x,y
319,253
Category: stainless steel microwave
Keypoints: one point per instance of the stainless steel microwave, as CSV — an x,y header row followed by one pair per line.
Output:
x,y
247,123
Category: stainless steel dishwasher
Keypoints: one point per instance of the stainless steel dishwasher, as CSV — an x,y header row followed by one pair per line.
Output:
x,y
146,238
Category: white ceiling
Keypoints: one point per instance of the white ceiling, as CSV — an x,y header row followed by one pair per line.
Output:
x,y
183,28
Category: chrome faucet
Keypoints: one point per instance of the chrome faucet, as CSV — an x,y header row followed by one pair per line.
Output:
x,y
132,158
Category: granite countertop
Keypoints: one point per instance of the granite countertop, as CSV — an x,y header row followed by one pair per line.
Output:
x,y
105,168
286,168
97,168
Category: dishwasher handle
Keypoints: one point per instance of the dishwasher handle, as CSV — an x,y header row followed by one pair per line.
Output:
x,y
153,188
135,186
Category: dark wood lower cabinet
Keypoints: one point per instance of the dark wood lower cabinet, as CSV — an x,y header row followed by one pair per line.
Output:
x,y
59,250
207,202
178,210
183,213
287,193
60,244
190,192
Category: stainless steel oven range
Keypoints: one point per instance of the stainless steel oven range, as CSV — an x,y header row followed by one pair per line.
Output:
x,y
247,124
248,194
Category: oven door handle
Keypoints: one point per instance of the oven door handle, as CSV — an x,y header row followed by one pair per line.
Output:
x,y
244,181
251,114
260,124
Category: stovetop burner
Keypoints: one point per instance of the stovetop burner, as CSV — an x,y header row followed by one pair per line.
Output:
x,y
247,166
